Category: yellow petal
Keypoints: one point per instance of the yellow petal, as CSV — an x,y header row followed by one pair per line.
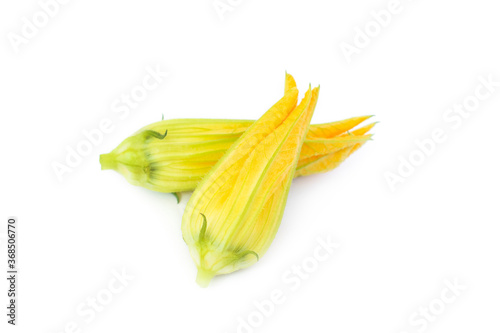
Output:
x,y
333,129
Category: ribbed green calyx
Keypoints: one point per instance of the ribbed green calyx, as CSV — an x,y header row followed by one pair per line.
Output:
x,y
132,158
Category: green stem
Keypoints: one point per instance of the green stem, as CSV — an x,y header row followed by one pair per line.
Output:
x,y
204,277
108,161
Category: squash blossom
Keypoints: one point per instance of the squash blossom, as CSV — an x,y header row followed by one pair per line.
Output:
x,y
234,213
174,155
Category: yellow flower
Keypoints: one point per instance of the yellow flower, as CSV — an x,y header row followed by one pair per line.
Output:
x,y
174,155
234,213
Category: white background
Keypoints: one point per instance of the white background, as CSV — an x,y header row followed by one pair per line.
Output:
x,y
397,247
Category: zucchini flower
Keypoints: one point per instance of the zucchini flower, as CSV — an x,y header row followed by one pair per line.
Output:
x,y
175,155
234,213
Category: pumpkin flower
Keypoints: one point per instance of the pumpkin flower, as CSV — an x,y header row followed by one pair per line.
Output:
x,y
174,155
234,213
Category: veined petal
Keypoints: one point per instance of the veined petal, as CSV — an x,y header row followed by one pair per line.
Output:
x,y
333,129
327,162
